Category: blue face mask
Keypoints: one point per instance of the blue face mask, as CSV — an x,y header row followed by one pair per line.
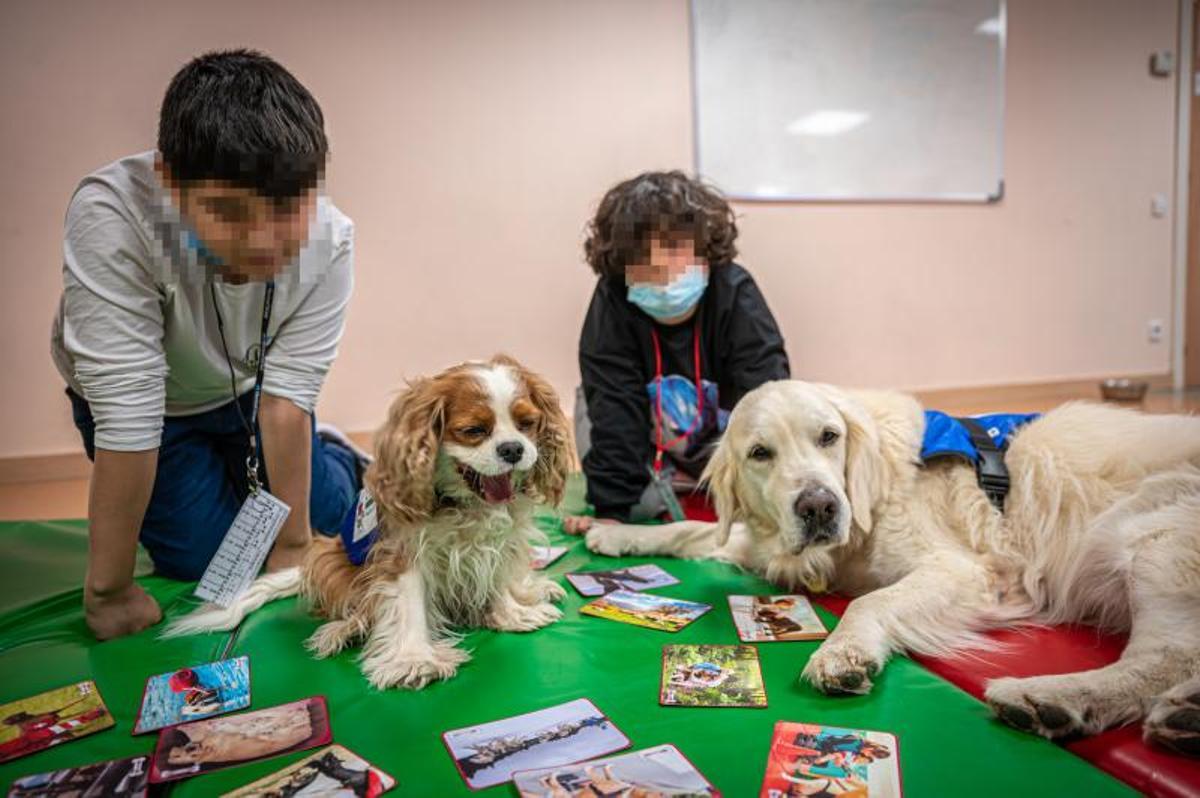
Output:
x,y
203,253
672,300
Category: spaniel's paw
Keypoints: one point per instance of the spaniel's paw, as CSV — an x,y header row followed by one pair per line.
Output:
x,y
412,669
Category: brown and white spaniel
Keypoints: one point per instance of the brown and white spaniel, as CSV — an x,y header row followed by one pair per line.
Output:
x,y
460,464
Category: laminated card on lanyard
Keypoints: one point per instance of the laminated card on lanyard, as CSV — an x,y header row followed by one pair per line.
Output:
x,y
249,539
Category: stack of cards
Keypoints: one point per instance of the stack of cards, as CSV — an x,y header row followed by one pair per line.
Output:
x,y
711,676
51,718
643,609
332,771
194,693
490,753
637,577
543,556
123,778
763,619
807,759
203,746
661,771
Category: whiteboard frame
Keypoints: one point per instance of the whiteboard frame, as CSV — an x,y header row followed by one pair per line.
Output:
x,y
990,198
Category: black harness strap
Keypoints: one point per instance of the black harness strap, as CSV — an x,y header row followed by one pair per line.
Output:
x,y
990,469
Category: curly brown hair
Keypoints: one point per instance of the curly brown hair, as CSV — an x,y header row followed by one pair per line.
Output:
x,y
669,204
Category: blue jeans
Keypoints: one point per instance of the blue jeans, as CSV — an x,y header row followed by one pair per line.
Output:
x,y
201,484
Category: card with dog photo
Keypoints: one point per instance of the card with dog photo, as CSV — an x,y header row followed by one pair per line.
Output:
x,y
660,771
645,609
490,753
332,771
764,619
51,718
711,676
119,778
194,693
203,746
637,577
807,759
545,556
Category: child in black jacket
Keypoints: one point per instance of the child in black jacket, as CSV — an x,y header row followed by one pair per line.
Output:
x,y
675,335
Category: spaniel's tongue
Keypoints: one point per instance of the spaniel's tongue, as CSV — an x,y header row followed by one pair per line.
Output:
x,y
497,489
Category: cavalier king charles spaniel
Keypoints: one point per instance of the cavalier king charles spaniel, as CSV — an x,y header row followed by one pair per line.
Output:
x,y
460,464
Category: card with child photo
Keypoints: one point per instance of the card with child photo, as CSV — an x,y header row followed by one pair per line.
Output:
x,y
809,759
763,619
711,676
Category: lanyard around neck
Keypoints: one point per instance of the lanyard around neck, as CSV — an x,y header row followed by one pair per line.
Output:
x,y
249,424
661,446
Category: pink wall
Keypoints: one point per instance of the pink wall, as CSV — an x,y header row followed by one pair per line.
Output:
x,y
472,139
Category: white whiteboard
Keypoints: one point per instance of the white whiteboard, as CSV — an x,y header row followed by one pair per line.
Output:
x,y
850,99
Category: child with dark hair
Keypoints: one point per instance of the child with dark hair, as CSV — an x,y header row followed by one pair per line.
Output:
x,y
675,335
191,275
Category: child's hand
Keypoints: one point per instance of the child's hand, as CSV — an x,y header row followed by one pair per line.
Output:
x,y
578,524
121,612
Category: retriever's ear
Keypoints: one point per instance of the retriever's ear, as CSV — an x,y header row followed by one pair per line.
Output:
x,y
720,477
556,452
866,470
406,449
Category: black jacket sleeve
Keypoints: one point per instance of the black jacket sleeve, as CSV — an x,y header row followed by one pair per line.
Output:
x,y
610,365
753,350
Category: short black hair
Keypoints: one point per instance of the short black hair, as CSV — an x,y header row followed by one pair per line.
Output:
x,y
239,116
668,204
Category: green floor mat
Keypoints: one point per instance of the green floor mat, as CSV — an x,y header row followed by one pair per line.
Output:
x,y
949,744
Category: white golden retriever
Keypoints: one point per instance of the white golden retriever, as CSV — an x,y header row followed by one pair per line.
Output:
x,y
822,489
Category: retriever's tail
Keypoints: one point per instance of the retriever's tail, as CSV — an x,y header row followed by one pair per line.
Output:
x,y
213,618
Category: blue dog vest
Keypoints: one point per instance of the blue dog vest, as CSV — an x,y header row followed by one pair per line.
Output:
x,y
980,440
948,436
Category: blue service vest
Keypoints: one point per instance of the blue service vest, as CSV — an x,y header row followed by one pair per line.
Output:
x,y
945,436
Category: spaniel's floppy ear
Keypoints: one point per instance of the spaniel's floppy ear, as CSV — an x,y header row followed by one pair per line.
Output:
x,y
406,449
720,477
866,471
556,452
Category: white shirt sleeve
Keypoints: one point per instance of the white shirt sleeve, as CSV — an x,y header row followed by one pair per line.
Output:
x,y
306,344
112,321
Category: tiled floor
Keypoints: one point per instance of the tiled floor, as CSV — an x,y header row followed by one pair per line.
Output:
x,y
68,498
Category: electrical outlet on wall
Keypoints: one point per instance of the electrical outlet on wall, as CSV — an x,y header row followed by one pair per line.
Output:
x,y
1154,331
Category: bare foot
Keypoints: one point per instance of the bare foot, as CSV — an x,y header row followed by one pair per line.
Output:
x,y
286,555
578,524
120,613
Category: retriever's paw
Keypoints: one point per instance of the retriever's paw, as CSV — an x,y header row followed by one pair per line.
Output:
x,y
412,669
842,667
511,616
1174,719
611,540
1062,705
332,637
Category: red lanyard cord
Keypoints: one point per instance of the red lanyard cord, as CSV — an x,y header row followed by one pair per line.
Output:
x,y
659,445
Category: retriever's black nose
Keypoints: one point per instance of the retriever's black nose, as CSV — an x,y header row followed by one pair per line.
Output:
x,y
510,452
816,507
